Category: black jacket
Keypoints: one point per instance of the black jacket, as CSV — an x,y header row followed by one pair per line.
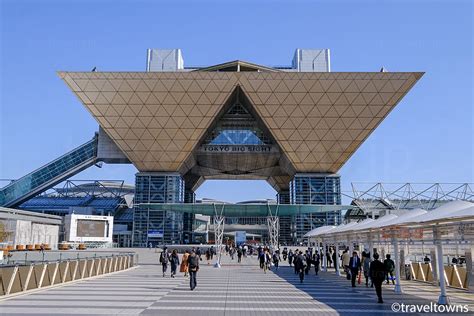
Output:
x,y
351,264
377,271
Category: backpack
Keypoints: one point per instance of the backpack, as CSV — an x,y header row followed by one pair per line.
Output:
x,y
390,265
193,263
162,258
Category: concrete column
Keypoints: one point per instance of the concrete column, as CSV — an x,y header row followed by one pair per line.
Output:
x,y
398,287
434,266
443,297
338,270
470,270
324,258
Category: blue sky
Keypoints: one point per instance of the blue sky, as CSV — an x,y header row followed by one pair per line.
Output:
x,y
427,138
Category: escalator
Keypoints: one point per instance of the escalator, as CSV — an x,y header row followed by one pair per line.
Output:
x,y
50,174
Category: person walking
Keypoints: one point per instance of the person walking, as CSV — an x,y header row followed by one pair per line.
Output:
x,y
199,253
174,260
212,251
208,255
316,262
164,259
193,265
301,265
296,259
276,260
290,257
184,263
261,258
354,266
267,261
334,257
366,267
345,258
309,260
239,255
328,258
377,275
389,268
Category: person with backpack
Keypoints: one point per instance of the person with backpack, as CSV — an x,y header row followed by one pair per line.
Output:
x,y
389,268
276,259
174,260
164,259
377,275
300,265
193,265
285,253
198,253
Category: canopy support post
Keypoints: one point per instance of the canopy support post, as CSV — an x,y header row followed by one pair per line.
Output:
x,y
219,220
396,250
324,257
443,297
273,223
336,262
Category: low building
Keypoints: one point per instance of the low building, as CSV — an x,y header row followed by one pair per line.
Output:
x,y
19,227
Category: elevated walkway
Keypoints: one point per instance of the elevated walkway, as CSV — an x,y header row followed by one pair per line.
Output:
x,y
50,174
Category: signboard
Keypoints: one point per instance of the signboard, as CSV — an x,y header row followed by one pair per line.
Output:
x,y
155,234
240,237
236,148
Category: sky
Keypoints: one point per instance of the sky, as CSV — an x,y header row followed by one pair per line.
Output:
x,y
427,138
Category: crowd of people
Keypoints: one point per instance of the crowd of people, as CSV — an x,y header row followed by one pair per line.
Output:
x,y
372,269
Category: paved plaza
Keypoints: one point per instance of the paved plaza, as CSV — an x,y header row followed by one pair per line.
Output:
x,y
235,289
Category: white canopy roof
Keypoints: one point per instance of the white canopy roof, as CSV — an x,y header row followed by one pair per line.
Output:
x,y
444,211
354,227
404,217
318,231
343,227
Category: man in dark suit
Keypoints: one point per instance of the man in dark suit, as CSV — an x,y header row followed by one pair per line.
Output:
x,y
377,275
354,266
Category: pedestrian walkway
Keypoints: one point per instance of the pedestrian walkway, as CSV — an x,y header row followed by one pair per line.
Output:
x,y
235,289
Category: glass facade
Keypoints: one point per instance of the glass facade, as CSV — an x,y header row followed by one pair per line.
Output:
x,y
314,189
153,226
237,126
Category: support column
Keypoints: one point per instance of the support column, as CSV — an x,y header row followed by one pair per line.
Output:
x,y
324,258
218,221
398,287
470,270
434,266
273,223
155,226
319,189
338,270
443,297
